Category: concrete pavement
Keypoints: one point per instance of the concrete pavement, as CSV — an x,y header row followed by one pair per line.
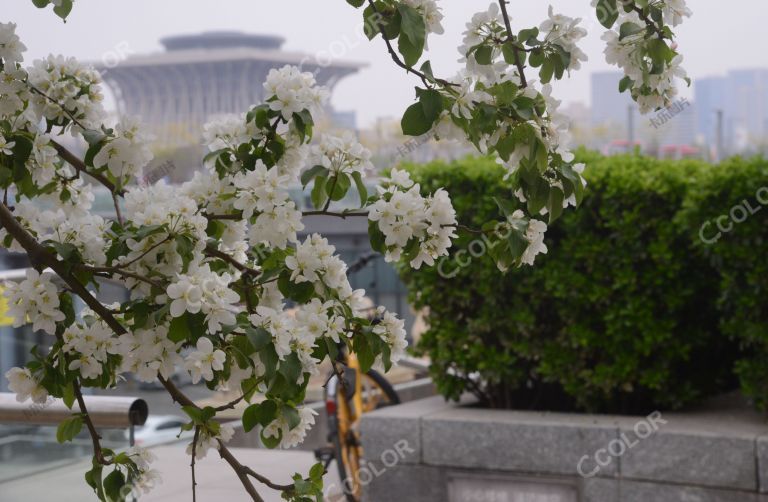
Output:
x,y
216,480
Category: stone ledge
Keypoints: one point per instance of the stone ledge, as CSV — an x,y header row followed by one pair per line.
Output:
x,y
693,458
711,455
499,441
387,427
761,449
638,491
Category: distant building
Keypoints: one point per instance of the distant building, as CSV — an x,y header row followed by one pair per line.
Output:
x,y
618,126
610,108
710,96
200,76
742,97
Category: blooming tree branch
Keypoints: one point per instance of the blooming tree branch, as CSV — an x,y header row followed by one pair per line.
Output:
x,y
212,264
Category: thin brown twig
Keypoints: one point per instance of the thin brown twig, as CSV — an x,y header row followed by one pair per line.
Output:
x,y
649,21
118,212
332,213
245,269
145,253
399,62
95,437
231,405
192,462
41,258
242,471
235,216
80,166
516,50
119,271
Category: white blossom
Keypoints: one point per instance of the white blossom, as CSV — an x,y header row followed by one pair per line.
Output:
x,y
70,88
403,214
127,153
149,352
291,437
341,154
35,300
207,440
5,146
290,91
202,362
25,386
11,48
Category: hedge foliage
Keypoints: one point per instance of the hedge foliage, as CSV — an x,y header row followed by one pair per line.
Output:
x,y
628,312
735,196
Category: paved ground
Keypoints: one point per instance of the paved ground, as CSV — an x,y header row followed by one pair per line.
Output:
x,y
216,480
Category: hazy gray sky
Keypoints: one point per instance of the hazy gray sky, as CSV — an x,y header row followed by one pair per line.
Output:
x,y
97,26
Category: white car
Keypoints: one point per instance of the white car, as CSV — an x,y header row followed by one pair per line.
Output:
x,y
160,429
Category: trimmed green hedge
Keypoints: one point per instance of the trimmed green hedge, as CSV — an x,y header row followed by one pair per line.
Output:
x,y
734,196
629,311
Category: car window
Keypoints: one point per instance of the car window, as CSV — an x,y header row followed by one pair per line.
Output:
x,y
169,425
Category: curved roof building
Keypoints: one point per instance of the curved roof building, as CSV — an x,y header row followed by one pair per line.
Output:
x,y
199,76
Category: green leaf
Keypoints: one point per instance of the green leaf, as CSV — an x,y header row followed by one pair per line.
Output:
x,y
660,52
311,173
528,34
517,243
415,122
259,414
318,194
365,354
484,55
113,483
291,367
607,12
628,29
195,413
291,415
625,83
508,51
69,428
316,472
178,331
68,395
361,189
63,9
147,230
413,33
22,150
93,478
426,69
259,337
376,236
432,103
299,292
555,205
271,442
537,58
356,3
303,122
505,206
337,186
547,71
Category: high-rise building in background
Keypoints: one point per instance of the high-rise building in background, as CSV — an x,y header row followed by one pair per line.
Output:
x,y
200,76
609,106
617,125
710,96
736,105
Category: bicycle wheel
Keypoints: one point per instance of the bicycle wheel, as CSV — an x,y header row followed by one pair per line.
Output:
x,y
377,393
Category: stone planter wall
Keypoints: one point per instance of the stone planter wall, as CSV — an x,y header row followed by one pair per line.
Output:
x,y
431,451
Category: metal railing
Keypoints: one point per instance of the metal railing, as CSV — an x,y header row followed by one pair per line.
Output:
x,y
106,412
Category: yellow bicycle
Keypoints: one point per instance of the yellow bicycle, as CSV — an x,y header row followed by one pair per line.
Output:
x,y
348,396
